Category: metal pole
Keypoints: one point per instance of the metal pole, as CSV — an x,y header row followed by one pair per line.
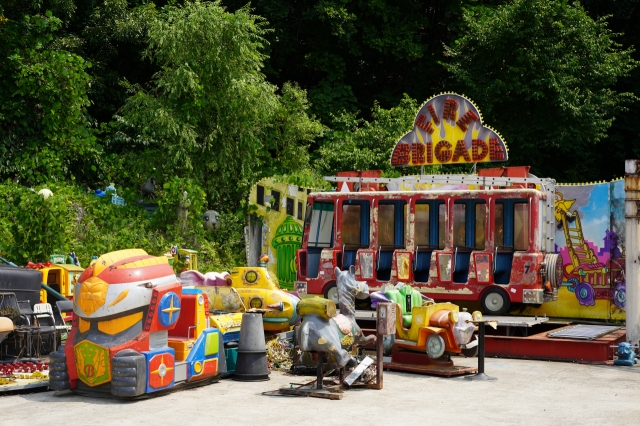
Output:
x,y
320,376
632,236
481,348
379,355
480,375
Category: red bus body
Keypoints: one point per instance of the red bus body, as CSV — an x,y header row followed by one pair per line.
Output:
x,y
460,246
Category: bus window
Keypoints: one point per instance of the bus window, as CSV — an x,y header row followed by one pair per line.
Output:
x,y
391,229
429,223
512,224
391,225
469,224
481,223
459,228
429,235
386,214
321,230
354,230
307,217
422,225
442,212
499,224
468,235
355,223
351,224
521,226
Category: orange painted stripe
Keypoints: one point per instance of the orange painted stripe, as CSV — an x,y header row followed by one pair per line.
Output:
x,y
109,259
128,275
130,259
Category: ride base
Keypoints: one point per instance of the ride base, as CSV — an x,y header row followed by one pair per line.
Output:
x,y
598,350
416,362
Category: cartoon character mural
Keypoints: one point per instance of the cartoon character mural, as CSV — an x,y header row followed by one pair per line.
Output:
x,y
590,238
275,227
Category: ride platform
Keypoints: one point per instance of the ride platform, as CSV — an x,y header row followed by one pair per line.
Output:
x,y
416,362
543,338
559,341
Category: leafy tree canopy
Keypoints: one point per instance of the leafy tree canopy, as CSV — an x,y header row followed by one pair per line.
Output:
x,y
543,73
209,112
354,143
44,125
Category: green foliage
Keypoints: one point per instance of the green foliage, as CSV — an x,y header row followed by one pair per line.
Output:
x,y
543,73
357,144
114,35
211,101
348,54
181,205
44,128
32,228
36,226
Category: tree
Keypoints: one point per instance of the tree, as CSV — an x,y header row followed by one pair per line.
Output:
x,y
543,73
348,54
44,128
622,142
357,144
209,113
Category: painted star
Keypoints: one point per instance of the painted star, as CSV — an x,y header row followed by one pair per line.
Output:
x,y
171,309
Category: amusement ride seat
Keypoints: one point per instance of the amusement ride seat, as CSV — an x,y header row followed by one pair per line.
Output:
x,y
407,298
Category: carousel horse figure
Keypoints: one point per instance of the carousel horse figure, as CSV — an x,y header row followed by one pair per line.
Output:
x,y
324,331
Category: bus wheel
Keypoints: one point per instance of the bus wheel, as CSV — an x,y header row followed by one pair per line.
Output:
x,y
495,302
331,293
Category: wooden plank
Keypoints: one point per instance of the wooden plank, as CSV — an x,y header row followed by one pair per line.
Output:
x,y
437,371
316,393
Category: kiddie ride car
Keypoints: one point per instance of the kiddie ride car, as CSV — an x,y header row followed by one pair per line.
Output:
x,y
136,331
435,329
248,288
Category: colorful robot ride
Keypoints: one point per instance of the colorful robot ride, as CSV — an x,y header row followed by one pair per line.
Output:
x,y
136,331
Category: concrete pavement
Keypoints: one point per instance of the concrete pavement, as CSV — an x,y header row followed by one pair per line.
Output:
x,y
526,393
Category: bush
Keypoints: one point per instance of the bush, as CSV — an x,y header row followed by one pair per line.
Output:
x,y
32,228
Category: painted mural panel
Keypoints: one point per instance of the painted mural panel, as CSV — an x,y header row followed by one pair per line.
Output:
x,y
590,239
277,211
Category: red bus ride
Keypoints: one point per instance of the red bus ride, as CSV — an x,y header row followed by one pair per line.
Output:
x,y
489,245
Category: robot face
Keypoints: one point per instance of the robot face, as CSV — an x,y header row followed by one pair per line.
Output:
x,y
91,295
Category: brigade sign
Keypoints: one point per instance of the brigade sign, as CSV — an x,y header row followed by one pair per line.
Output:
x,y
448,130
